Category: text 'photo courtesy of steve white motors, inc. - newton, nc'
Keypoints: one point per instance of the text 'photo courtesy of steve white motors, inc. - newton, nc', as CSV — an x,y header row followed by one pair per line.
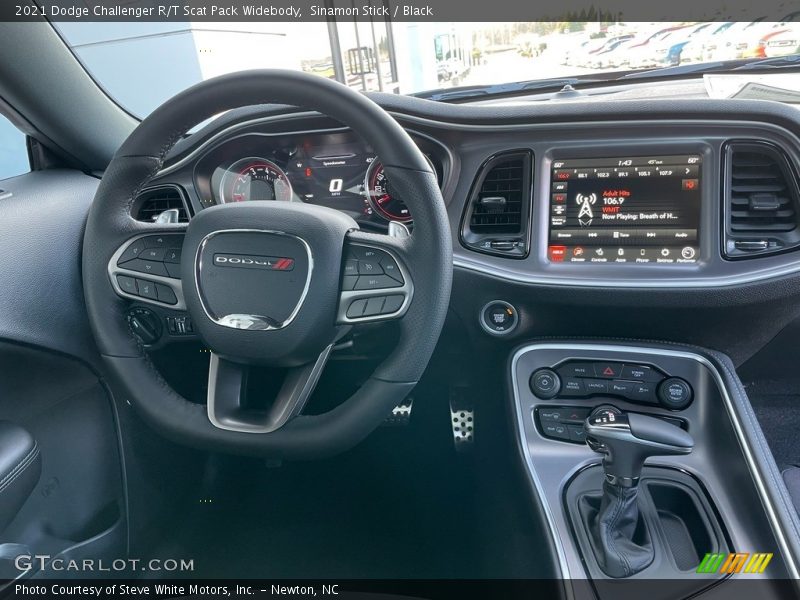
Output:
x,y
222,10
172,590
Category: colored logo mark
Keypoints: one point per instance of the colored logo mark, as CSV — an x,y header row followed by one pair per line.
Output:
x,y
738,562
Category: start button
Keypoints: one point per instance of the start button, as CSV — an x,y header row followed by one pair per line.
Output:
x,y
499,318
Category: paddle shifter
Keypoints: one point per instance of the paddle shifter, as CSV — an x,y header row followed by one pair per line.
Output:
x,y
626,440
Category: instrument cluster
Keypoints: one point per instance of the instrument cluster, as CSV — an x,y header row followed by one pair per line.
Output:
x,y
333,169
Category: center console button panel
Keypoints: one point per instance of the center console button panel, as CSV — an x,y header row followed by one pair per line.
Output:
x,y
642,384
566,423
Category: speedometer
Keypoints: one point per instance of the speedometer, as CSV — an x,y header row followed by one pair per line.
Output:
x,y
380,197
254,179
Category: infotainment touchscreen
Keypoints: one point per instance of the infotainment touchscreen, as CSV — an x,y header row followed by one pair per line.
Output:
x,y
636,210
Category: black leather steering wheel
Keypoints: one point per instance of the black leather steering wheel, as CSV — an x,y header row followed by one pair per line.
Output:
x,y
268,282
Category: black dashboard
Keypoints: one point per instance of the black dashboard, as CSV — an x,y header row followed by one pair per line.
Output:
x,y
733,220
636,203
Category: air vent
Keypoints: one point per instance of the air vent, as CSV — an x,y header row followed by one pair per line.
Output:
x,y
496,219
762,200
152,202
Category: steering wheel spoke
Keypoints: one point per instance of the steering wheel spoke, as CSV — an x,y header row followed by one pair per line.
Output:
x,y
227,401
376,284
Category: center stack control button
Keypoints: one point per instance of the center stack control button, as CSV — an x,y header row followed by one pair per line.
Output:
x,y
675,393
608,370
577,369
545,383
639,373
571,386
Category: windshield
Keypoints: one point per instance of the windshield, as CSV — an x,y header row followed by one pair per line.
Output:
x,y
143,64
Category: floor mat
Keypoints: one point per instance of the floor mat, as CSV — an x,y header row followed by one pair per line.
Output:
x,y
779,417
403,504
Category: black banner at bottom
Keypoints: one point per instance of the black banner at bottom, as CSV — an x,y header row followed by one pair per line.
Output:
x,y
732,588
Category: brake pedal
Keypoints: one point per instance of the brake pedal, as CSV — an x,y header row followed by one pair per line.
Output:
x,y
462,420
401,414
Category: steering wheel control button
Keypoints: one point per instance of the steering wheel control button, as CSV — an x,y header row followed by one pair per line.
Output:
x,y
365,253
350,267
545,384
173,270
376,282
374,306
165,294
349,282
675,393
147,289
163,241
499,318
392,304
367,272
156,254
127,284
173,256
146,266
391,269
356,308
369,267
132,251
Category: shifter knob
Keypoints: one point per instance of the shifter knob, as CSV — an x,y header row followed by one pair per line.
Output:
x,y
626,440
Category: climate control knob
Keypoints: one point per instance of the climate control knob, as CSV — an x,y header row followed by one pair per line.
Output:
x,y
545,384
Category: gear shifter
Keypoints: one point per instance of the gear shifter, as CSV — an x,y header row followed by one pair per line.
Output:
x,y
621,542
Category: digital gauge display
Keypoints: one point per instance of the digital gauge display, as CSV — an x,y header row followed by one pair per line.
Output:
x,y
255,179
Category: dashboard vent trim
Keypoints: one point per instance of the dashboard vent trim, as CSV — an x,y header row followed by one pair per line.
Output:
x,y
151,202
497,215
762,200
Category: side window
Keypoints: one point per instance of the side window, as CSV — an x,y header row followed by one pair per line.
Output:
x,y
13,150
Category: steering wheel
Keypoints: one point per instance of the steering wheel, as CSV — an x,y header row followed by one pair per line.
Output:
x,y
271,283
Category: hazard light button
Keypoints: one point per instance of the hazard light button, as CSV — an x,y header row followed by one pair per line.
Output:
x,y
607,370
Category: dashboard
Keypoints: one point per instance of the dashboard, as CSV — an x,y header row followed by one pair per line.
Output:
x,y
721,242
567,195
330,168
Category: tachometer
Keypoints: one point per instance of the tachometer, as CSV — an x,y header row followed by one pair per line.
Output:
x,y
380,197
254,179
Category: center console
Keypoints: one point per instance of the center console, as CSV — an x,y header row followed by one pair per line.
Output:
x,y
643,460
